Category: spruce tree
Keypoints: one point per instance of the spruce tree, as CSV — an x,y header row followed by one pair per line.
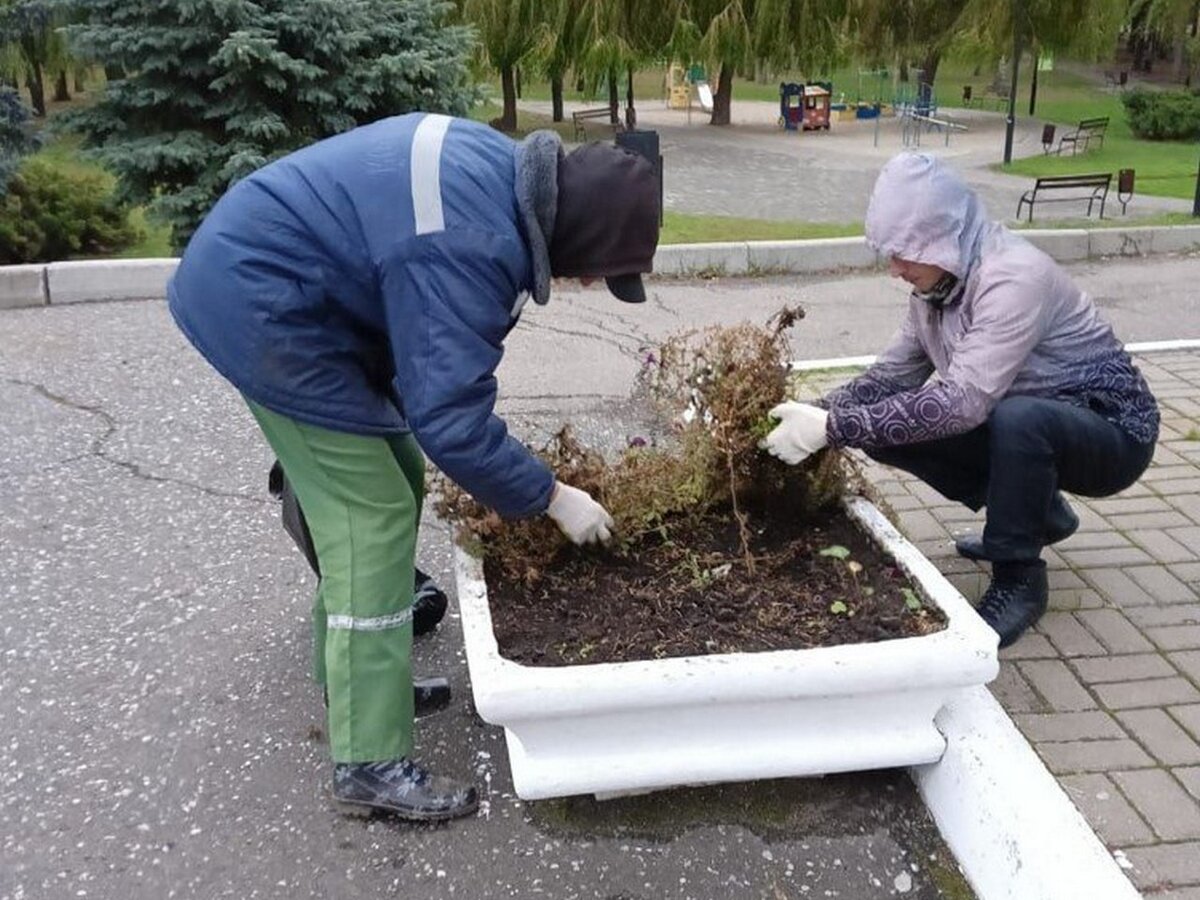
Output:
x,y
16,138
214,89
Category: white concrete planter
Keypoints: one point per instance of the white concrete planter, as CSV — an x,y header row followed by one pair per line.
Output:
x,y
620,727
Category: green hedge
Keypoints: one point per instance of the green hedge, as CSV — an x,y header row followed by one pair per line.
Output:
x,y
50,214
1163,115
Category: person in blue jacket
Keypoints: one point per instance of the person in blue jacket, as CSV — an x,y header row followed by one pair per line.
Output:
x,y
358,293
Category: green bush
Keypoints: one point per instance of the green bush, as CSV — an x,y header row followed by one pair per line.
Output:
x,y
50,214
1163,115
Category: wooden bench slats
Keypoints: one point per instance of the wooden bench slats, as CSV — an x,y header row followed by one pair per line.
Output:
x,y
1087,131
582,115
1096,184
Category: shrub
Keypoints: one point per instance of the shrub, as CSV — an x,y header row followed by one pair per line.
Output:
x,y
50,214
725,380
1164,116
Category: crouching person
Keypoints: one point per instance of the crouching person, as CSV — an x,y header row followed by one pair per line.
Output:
x,y
1034,394
358,293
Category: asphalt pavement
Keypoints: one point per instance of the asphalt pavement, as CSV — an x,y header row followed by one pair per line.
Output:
x,y
160,737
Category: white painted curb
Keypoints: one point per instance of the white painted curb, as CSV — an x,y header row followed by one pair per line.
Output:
x,y
109,279
619,727
861,362
140,279
1014,832
23,286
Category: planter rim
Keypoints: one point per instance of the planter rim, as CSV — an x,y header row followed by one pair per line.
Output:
x,y
502,687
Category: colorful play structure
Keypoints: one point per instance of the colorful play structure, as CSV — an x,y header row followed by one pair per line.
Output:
x,y
804,107
688,85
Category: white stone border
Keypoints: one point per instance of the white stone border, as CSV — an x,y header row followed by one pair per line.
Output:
x,y
144,279
1012,828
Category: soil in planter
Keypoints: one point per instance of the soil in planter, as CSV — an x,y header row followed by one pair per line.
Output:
x,y
816,583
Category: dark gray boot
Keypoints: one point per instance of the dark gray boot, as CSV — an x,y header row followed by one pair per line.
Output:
x,y
1016,598
1060,525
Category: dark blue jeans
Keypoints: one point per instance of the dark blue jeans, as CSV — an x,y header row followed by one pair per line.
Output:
x,y
1028,449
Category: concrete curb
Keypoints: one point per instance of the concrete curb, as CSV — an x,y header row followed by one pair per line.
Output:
x,y
109,279
1012,828
141,279
862,362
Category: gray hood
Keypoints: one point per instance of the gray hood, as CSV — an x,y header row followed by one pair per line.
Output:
x,y
921,211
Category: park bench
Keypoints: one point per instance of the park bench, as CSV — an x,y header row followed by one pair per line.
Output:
x,y
581,116
1087,131
1083,187
1113,79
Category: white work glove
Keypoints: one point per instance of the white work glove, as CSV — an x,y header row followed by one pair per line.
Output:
x,y
581,518
799,434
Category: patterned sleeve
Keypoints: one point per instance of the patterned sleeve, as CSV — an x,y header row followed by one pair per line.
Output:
x,y
902,366
1010,319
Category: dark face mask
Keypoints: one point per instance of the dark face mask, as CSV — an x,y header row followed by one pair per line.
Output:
x,y
941,293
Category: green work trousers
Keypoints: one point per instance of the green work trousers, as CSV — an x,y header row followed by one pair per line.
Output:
x,y
361,496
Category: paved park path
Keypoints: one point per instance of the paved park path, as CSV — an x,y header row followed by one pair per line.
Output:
x,y
1107,688
754,169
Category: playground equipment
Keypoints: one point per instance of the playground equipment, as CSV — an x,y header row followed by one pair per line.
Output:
x,y
791,106
685,86
804,106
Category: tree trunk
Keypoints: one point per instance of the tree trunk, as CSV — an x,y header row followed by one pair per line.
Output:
x,y
556,95
614,98
80,83
630,112
36,82
904,71
929,69
723,99
114,71
517,73
508,119
1033,84
1177,57
62,92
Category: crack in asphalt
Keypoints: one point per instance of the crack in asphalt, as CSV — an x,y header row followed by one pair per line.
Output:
x,y
608,338
98,451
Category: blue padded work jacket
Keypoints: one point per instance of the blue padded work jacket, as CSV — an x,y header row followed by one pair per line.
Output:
x,y
366,284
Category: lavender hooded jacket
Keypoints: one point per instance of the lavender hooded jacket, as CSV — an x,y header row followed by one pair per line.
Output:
x,y
1016,326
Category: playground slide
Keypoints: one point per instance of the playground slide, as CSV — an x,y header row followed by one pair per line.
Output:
x,y
705,94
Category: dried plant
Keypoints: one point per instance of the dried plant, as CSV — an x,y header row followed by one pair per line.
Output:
x,y
715,387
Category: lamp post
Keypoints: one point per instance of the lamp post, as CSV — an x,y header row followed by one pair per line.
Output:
x,y
1196,201
1011,122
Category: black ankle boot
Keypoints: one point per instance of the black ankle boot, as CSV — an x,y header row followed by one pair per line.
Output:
x,y
1015,599
429,695
404,788
429,604
1061,523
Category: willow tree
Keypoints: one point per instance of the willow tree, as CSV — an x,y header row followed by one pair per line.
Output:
x,y
1173,22
1082,29
508,31
557,46
718,32
809,35
916,30
616,37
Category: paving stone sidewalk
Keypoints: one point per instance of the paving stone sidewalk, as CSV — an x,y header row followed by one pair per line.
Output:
x,y
1107,688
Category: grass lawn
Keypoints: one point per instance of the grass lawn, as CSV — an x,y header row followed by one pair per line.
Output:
x,y
1163,168
684,228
